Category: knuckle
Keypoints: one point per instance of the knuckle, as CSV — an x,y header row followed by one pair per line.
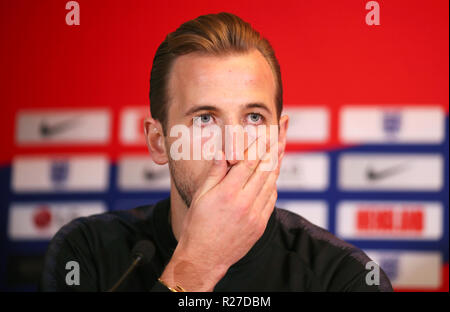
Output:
x,y
252,219
242,202
243,207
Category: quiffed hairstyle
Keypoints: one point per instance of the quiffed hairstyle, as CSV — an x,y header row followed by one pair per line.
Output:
x,y
216,34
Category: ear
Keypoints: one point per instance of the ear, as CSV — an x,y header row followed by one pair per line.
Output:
x,y
284,123
154,136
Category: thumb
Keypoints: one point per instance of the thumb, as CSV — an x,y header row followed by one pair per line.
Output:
x,y
216,173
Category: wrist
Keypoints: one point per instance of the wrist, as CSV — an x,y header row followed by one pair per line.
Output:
x,y
191,274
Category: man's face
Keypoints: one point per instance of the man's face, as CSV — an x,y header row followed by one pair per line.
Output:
x,y
206,90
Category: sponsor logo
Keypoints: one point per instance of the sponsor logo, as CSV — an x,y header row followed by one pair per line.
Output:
x,y
307,124
68,174
399,172
48,130
40,221
392,123
379,174
386,220
304,171
59,172
152,175
390,220
139,172
378,125
314,211
410,269
42,217
63,127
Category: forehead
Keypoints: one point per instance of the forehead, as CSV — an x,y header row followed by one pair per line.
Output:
x,y
203,79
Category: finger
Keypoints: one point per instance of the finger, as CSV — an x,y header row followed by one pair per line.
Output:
x,y
270,205
241,172
216,173
258,178
262,194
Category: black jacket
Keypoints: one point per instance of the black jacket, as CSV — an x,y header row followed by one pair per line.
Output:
x,y
292,255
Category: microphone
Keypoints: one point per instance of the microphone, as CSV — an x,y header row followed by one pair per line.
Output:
x,y
142,253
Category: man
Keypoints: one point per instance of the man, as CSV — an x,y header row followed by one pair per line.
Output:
x,y
219,229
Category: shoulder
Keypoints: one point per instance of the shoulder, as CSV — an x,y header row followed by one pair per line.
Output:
x,y
312,236
108,225
88,240
337,264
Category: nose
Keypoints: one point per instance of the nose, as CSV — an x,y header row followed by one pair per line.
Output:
x,y
234,144
232,152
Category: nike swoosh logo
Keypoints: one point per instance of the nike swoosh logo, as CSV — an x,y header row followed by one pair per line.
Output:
x,y
47,130
152,175
376,175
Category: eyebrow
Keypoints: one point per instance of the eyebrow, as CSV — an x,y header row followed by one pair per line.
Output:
x,y
259,105
196,109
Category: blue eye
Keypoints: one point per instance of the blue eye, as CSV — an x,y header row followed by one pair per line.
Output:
x,y
202,120
205,118
255,118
